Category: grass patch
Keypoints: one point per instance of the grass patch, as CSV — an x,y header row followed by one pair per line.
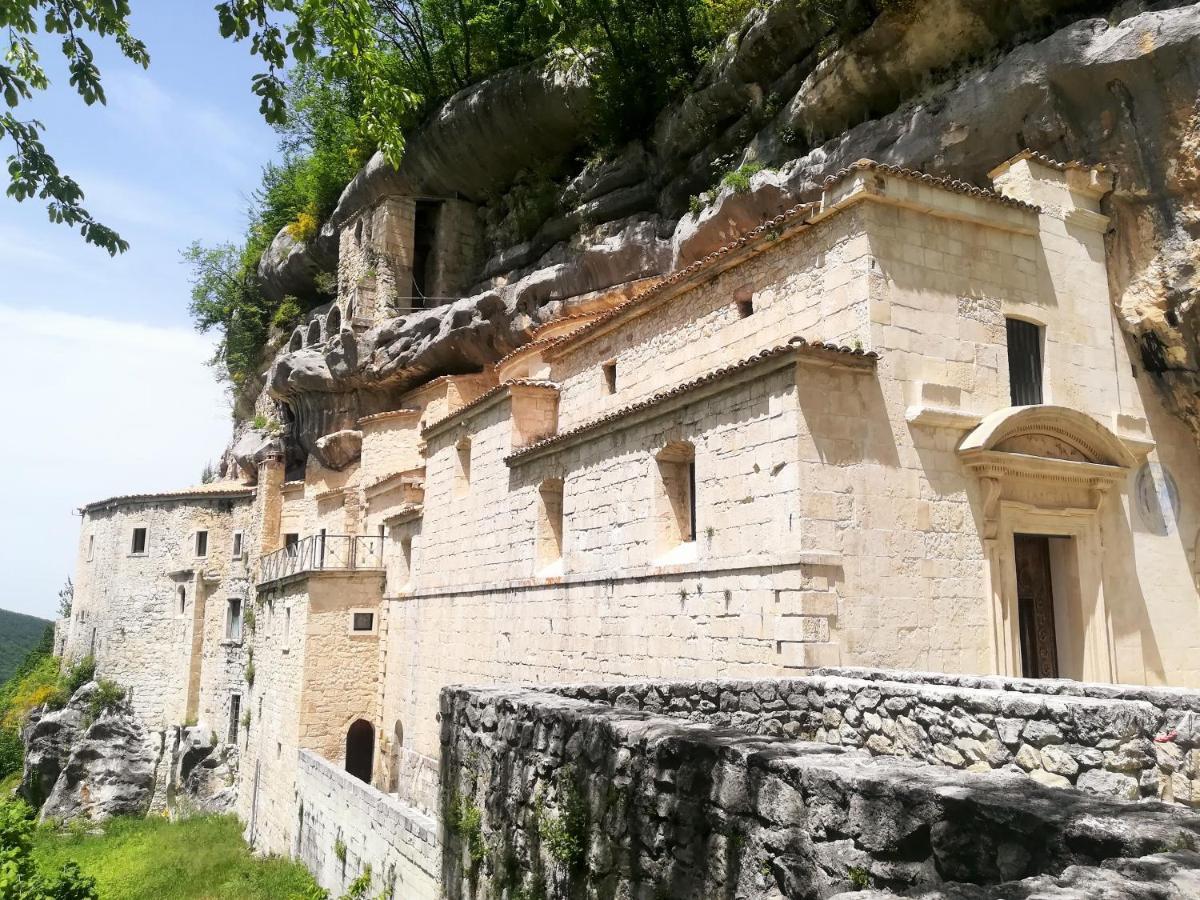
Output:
x,y
203,858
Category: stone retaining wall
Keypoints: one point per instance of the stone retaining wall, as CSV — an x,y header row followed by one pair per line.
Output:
x,y
551,796
1115,740
346,825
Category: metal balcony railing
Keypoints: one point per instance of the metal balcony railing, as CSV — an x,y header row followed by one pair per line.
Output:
x,y
320,552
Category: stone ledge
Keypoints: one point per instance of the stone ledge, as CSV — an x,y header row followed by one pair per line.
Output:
x,y
815,558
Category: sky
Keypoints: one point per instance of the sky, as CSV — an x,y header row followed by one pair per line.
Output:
x,y
106,381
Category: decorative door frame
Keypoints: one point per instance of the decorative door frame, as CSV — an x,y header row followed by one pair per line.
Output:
x,y
1025,453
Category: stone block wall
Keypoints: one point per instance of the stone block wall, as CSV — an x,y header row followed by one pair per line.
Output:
x,y
155,621
553,796
345,825
1121,742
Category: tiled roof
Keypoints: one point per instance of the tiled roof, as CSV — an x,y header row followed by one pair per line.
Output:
x,y
406,510
525,348
796,215
388,414
216,490
1053,163
795,345
486,396
948,184
573,317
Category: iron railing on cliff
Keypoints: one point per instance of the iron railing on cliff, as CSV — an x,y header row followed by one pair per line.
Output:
x,y
321,552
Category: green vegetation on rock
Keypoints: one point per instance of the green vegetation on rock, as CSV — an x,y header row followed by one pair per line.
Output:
x,y
34,682
154,859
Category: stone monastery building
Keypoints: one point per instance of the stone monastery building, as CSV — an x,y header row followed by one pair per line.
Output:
x,y
897,427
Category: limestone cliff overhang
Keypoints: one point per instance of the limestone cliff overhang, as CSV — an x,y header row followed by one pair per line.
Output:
x,y
797,350
216,491
487,400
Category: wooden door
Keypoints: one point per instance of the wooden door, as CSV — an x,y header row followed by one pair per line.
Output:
x,y
1035,606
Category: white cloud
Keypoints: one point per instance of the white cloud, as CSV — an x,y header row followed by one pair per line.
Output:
x,y
95,407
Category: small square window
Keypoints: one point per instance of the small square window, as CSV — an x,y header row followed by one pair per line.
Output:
x,y
291,542
139,541
745,308
364,621
610,377
237,545
201,543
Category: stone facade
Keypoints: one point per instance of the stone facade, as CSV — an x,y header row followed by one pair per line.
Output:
x,y
370,828
800,452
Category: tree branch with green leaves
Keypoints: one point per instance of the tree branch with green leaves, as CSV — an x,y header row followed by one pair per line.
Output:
x,y
32,171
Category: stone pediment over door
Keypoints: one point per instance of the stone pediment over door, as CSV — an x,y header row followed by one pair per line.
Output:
x,y
1073,458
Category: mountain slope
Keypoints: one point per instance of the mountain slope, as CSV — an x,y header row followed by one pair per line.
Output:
x,y
18,635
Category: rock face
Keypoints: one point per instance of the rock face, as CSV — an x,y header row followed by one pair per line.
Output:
x,y
49,737
105,767
204,773
84,766
1120,89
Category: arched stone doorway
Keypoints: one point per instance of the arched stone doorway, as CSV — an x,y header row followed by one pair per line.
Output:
x,y
360,749
1044,475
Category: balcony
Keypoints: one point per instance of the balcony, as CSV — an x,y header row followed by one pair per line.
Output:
x,y
323,553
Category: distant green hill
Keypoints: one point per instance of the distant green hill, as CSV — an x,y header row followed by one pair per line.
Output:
x,y
18,635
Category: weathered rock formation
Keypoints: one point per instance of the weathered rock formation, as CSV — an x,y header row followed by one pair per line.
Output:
x,y
102,763
945,86
81,763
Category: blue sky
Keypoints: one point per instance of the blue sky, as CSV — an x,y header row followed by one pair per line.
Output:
x,y
106,382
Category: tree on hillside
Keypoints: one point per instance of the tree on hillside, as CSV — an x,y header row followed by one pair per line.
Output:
x,y
66,596
32,171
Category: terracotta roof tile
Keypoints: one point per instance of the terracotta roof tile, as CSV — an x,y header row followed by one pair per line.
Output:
x,y
388,414
795,345
217,489
948,184
1053,163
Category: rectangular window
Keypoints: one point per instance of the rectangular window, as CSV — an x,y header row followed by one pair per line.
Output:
x,y
139,541
233,620
745,308
290,542
406,554
287,627
462,476
610,377
91,546
676,503
235,716
364,621
202,543
550,522
237,545
1024,362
